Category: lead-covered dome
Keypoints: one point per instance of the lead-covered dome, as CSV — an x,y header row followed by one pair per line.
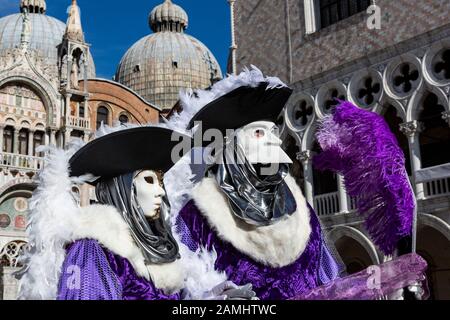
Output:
x,y
46,32
159,65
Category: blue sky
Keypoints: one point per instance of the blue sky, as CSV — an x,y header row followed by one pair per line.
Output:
x,y
112,26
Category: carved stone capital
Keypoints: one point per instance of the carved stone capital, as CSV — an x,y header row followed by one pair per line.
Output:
x,y
446,116
411,128
305,156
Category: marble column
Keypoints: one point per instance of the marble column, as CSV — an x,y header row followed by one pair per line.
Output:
x,y
412,131
1,137
16,141
343,198
86,136
30,143
53,137
305,157
67,133
47,138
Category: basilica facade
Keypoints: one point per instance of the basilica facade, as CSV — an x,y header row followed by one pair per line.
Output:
x,y
49,95
390,57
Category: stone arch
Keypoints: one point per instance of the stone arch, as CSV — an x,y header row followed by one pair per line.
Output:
x,y
427,107
385,101
413,109
15,185
44,91
436,223
25,124
108,107
433,244
10,122
346,231
309,137
39,126
429,60
14,207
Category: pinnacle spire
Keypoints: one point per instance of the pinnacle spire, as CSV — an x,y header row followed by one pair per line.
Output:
x,y
74,31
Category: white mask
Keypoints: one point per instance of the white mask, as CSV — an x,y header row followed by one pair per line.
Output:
x,y
149,193
261,143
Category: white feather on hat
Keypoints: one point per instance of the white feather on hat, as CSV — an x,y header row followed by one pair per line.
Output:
x,y
192,101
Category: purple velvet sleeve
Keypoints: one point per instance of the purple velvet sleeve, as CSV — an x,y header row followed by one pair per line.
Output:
x,y
87,275
134,286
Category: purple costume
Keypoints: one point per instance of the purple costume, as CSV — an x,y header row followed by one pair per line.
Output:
x,y
92,272
314,267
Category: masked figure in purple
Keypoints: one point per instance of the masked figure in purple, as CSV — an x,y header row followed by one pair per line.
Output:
x,y
247,207
122,247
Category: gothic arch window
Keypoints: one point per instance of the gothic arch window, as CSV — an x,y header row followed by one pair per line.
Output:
x,y
102,116
38,141
10,253
23,99
8,140
435,132
81,110
354,255
433,245
23,141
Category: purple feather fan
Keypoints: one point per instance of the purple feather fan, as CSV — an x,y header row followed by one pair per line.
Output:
x,y
359,145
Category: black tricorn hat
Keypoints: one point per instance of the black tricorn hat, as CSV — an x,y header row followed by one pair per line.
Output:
x,y
242,106
128,150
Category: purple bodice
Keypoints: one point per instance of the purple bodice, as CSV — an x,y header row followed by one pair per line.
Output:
x,y
92,272
268,283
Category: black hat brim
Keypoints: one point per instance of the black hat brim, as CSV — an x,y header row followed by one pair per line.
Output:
x,y
242,106
125,151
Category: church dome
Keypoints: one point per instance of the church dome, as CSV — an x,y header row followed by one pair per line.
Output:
x,y
159,65
46,32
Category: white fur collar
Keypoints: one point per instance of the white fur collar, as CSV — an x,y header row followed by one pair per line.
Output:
x,y
105,224
277,245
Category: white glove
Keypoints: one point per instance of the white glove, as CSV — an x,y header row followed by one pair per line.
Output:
x,y
229,291
416,289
